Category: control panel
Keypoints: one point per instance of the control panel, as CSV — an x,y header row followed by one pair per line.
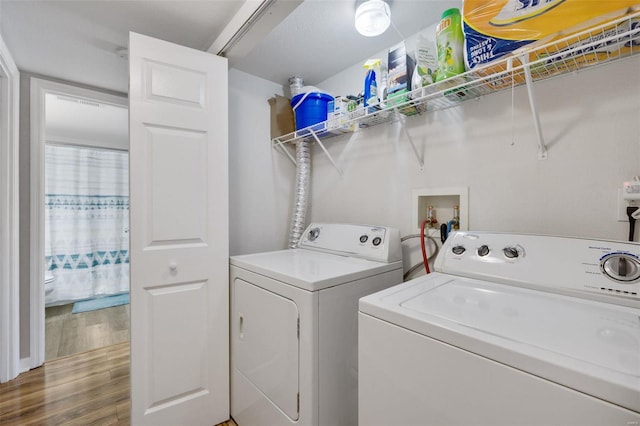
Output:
x,y
379,243
620,266
591,268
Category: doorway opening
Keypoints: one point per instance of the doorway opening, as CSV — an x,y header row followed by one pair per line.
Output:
x,y
80,271
86,248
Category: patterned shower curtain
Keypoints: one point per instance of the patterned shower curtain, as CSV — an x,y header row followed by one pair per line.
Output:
x,y
86,222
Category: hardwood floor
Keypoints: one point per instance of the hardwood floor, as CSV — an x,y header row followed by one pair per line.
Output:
x,y
83,389
67,333
90,388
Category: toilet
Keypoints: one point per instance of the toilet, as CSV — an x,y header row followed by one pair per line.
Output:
x,y
49,280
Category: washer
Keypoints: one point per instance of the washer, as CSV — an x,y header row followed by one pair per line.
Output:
x,y
509,330
294,324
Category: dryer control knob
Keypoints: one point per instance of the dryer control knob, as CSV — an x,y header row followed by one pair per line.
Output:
x,y
483,250
313,234
510,252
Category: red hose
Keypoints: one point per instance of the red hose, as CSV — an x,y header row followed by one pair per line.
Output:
x,y
424,249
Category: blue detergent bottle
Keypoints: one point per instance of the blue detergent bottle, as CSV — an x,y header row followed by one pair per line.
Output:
x,y
370,89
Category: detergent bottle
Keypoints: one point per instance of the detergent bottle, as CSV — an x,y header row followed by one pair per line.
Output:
x,y
450,42
375,83
370,88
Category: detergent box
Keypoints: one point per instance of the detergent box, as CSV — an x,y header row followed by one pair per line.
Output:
x,y
401,67
495,28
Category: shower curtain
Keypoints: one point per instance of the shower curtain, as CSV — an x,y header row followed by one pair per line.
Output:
x,y
86,222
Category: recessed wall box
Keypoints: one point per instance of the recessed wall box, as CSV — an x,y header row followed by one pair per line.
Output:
x,y
631,190
443,201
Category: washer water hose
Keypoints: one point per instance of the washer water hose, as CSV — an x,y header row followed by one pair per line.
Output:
x,y
632,214
425,259
301,199
415,267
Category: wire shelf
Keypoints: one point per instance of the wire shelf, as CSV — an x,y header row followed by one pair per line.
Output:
x,y
547,58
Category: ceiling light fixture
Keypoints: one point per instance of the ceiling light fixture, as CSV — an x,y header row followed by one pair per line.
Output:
x,y
373,17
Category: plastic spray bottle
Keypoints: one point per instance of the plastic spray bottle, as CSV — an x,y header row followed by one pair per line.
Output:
x,y
375,83
370,85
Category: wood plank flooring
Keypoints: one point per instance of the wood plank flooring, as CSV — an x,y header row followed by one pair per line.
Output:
x,y
67,333
90,388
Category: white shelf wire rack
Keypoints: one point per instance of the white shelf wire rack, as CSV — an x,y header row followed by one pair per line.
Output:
x,y
601,44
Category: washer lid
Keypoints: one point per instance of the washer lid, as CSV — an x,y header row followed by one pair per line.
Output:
x,y
311,270
587,345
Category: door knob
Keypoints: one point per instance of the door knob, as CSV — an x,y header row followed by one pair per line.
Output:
x,y
173,267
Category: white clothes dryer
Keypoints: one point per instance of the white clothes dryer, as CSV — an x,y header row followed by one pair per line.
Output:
x,y
294,324
509,330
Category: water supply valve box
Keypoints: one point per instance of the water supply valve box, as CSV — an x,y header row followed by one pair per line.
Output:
x,y
631,190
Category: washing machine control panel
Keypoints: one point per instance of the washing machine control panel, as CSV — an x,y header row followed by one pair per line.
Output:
x,y
379,243
607,270
622,267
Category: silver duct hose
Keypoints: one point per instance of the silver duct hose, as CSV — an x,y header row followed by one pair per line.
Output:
x,y
301,200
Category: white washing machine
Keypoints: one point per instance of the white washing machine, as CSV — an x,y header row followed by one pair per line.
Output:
x,y
294,330
510,330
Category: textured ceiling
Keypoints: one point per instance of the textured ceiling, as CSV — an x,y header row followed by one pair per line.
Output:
x,y
69,119
77,40
318,39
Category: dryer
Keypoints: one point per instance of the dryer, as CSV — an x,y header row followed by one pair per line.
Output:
x,y
294,328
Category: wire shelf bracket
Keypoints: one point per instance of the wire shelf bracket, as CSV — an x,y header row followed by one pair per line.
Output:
x,y
280,145
315,136
409,138
542,147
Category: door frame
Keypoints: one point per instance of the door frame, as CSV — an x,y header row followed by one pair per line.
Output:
x,y
39,89
9,214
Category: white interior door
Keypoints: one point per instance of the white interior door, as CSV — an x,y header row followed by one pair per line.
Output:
x,y
179,234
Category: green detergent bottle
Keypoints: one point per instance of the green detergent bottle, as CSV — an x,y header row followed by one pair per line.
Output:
x,y
450,42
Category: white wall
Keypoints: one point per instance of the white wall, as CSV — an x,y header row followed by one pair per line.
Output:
x,y
591,121
260,179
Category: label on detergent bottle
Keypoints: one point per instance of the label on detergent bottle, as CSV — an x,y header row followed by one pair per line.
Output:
x,y
370,88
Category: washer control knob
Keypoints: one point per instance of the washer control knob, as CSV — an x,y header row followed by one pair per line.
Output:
x,y
313,234
510,252
376,241
364,238
483,250
458,250
620,267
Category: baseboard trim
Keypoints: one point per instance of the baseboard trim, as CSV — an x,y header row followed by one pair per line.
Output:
x,y
25,364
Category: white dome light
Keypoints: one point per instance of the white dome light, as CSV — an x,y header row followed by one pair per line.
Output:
x,y
373,18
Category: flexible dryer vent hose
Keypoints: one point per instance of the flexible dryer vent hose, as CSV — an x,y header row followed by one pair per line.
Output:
x,y
301,199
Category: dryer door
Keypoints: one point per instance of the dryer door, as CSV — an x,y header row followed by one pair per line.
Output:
x,y
264,329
